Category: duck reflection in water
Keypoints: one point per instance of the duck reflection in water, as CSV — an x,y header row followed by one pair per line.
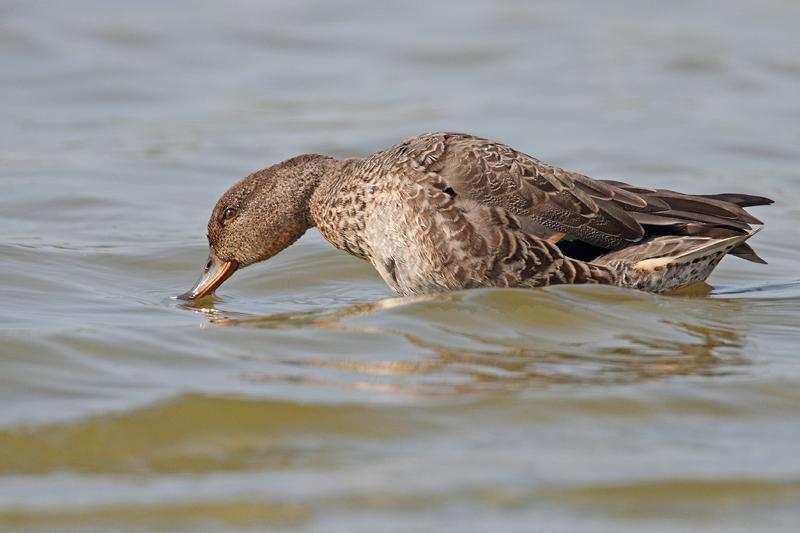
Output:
x,y
509,340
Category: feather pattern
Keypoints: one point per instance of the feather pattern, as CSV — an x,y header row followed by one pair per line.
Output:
x,y
445,211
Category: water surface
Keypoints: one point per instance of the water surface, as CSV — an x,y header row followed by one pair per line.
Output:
x,y
305,396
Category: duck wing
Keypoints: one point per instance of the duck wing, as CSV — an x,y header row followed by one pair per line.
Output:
x,y
551,202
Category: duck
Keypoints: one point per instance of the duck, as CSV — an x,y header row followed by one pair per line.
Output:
x,y
449,211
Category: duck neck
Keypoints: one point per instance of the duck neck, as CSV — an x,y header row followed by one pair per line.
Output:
x,y
333,207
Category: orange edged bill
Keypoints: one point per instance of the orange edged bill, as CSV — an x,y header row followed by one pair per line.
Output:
x,y
215,273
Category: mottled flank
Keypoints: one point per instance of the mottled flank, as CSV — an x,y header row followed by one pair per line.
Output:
x,y
447,211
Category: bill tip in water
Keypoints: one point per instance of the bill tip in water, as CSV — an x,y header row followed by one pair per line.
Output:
x,y
186,296
215,273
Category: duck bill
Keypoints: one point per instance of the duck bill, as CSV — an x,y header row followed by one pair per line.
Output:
x,y
215,273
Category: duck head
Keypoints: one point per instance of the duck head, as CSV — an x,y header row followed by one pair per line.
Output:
x,y
258,217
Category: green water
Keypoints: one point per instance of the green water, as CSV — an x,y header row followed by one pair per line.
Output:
x,y
306,397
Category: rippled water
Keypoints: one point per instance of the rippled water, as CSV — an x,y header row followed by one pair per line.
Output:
x,y
307,397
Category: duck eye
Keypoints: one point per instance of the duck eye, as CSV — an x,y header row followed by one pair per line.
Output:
x,y
229,213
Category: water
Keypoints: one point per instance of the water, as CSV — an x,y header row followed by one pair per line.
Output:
x,y
306,397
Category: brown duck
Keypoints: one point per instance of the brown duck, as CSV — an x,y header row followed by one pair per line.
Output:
x,y
448,211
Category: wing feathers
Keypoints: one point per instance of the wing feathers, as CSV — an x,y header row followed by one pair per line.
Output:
x,y
605,213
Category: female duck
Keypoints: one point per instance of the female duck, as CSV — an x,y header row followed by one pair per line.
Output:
x,y
448,211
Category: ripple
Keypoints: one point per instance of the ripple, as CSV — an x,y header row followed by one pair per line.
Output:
x,y
304,396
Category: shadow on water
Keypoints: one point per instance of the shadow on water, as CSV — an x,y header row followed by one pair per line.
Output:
x,y
505,340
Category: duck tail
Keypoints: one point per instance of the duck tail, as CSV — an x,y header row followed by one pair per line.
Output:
x,y
670,262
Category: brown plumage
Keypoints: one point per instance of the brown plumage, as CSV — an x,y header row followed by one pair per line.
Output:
x,y
446,211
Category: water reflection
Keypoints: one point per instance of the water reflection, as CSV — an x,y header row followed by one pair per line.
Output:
x,y
509,340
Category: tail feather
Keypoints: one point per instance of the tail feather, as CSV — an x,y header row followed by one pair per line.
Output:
x,y
745,251
682,236
671,262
